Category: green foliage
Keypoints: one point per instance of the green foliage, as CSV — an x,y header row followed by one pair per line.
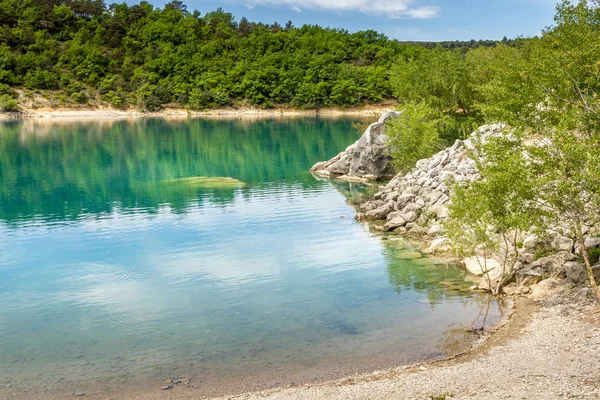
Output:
x,y
7,103
465,46
594,255
445,82
486,216
414,135
40,79
438,77
545,172
148,57
551,101
7,99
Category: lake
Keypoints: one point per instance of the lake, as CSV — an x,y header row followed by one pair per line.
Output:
x,y
123,264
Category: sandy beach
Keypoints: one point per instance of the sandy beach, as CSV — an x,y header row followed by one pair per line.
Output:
x,y
225,113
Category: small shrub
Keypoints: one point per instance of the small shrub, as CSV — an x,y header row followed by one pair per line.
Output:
x,y
5,89
41,79
199,99
152,103
594,255
79,97
7,103
116,99
414,135
220,97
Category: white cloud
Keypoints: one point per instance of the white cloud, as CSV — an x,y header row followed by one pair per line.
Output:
x,y
388,8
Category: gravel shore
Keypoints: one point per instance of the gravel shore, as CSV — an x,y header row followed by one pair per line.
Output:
x,y
547,351
551,353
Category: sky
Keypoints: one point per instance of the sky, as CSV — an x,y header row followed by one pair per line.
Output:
x,y
419,20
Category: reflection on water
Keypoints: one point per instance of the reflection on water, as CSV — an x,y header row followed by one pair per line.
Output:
x,y
109,277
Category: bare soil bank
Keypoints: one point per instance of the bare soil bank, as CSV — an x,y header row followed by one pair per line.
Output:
x,y
103,114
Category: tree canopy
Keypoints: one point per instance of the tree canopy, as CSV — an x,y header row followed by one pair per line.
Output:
x,y
546,169
146,57
75,52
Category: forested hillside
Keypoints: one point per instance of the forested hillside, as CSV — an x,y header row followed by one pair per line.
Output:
x,y
146,57
77,52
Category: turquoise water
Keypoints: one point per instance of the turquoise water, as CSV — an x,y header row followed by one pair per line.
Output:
x,y
116,274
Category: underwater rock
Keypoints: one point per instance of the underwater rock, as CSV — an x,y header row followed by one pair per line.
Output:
x,y
409,255
206,182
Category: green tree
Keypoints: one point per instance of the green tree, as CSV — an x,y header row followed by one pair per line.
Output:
x,y
414,134
550,101
487,216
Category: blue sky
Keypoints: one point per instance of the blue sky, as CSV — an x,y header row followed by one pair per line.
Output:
x,y
400,19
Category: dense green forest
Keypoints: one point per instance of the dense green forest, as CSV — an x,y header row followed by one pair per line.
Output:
x,y
147,57
77,52
463,45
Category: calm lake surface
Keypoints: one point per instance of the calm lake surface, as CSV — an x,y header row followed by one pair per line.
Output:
x,y
116,273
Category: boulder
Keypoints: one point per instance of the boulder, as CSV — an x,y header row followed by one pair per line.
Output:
x,y
394,223
412,207
576,272
514,289
562,243
440,211
439,245
548,288
530,242
367,159
592,242
527,277
553,265
479,265
434,230
380,212
411,216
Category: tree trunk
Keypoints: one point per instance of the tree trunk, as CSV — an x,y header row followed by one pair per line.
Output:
x,y
588,267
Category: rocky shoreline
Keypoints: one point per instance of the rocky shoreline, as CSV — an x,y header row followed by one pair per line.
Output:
x,y
416,204
363,161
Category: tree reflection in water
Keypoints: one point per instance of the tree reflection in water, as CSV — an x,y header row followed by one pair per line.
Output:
x,y
459,337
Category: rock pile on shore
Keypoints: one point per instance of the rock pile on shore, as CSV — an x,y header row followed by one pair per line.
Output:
x,y
366,160
417,204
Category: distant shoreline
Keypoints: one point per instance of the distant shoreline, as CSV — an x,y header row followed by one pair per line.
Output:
x,y
233,113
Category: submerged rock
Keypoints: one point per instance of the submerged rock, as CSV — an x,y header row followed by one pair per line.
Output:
x,y
410,255
366,160
206,182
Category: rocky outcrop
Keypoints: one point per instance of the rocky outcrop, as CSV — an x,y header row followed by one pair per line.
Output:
x,y
416,203
365,160
418,200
